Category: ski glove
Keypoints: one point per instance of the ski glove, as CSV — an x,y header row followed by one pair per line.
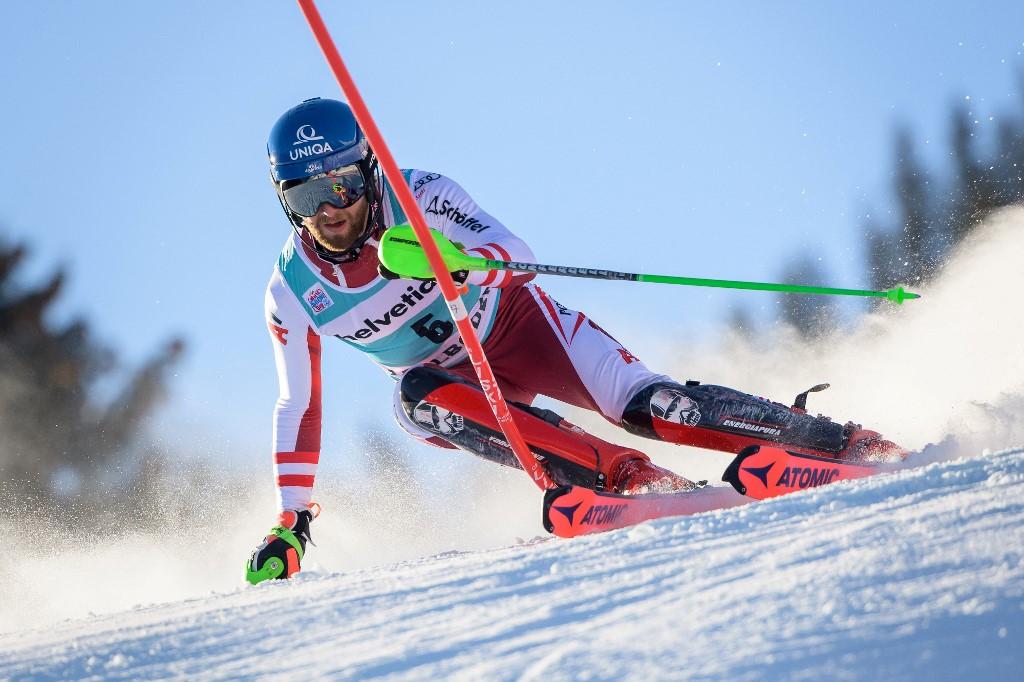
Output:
x,y
280,555
459,276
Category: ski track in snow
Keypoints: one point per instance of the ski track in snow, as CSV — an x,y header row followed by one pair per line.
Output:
x,y
911,575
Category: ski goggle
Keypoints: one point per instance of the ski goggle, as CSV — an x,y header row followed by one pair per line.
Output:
x,y
340,187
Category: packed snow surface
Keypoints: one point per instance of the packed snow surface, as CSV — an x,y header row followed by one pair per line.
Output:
x,y
911,575
917,574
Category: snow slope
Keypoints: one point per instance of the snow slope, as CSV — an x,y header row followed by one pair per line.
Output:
x,y
913,575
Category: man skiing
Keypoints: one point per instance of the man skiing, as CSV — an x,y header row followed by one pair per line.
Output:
x,y
328,281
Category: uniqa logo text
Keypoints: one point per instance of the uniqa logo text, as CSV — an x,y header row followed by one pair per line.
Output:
x,y
310,150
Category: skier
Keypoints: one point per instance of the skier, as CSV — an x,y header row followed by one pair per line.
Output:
x,y
328,281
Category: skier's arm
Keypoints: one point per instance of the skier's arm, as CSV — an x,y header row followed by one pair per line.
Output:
x,y
450,210
296,434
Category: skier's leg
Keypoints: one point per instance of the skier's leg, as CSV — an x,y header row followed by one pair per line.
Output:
x,y
439,404
538,346
554,351
586,366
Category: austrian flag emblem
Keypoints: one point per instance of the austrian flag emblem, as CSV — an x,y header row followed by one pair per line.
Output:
x,y
317,298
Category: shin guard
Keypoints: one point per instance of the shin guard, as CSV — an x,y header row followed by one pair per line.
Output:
x,y
456,409
720,418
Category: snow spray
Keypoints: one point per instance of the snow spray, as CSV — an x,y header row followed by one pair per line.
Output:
x,y
952,368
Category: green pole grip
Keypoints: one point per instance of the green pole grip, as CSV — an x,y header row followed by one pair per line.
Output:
x,y
401,252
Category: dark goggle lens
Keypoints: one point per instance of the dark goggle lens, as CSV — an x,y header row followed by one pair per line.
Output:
x,y
340,187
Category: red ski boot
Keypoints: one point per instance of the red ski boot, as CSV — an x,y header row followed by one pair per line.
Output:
x,y
864,445
637,476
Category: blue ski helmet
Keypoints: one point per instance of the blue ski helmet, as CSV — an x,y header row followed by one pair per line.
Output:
x,y
312,139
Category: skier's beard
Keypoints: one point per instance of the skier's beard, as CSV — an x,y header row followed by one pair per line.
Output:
x,y
337,229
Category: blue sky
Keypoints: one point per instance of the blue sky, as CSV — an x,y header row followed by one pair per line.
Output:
x,y
711,139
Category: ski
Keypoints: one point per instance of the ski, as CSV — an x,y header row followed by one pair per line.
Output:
x,y
571,510
757,473
761,472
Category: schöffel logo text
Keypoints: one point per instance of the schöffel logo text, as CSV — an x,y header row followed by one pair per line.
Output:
x,y
317,298
602,513
448,210
806,477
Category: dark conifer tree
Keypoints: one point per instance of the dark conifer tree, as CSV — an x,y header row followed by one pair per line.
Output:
x,y
936,215
812,316
59,438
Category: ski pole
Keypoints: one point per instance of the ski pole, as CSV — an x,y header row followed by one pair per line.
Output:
x,y
401,252
434,263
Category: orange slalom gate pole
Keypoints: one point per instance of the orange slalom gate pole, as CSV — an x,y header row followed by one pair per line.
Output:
x,y
448,289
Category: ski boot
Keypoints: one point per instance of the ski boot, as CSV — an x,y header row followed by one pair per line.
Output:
x,y
641,476
861,445
865,445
